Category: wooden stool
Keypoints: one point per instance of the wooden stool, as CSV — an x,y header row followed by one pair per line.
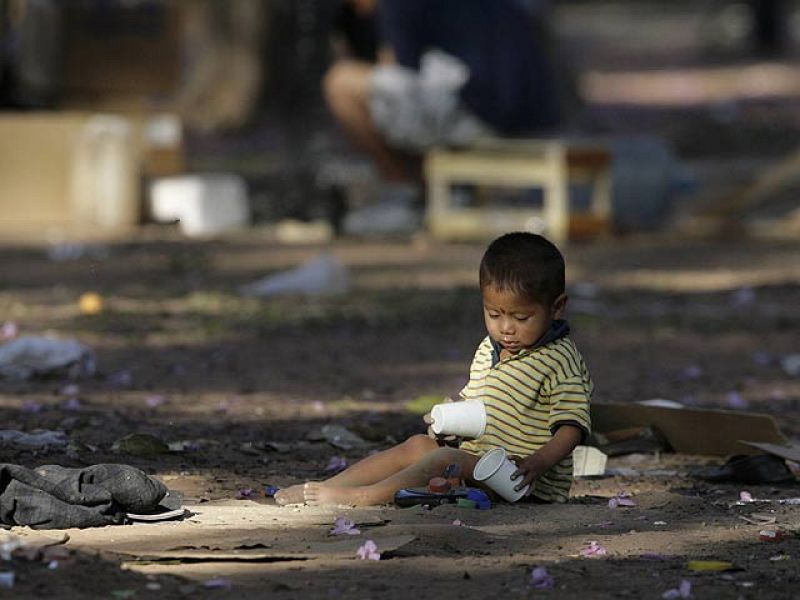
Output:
x,y
547,164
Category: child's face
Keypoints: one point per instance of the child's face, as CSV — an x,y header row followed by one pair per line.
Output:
x,y
515,322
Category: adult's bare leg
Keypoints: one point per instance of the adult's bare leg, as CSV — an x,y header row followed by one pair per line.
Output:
x,y
346,88
369,470
430,465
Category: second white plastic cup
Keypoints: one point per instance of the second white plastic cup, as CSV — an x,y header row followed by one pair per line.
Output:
x,y
495,470
464,419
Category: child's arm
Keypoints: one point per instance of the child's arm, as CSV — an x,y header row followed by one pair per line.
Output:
x,y
545,458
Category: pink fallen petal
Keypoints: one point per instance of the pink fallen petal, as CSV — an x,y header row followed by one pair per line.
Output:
x,y
71,389
593,549
218,584
541,579
736,400
458,523
336,464
8,331
621,499
369,551
344,526
684,590
245,493
31,406
155,400
745,497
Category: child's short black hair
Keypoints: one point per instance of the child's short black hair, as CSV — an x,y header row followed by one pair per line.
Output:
x,y
526,264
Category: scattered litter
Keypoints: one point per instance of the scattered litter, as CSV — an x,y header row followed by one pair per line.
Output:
x,y
772,535
245,494
622,499
541,579
343,526
336,464
709,565
140,444
7,579
8,331
39,439
593,549
321,276
684,590
736,401
369,551
270,491
341,437
27,357
218,584
659,523
90,303
588,461
791,364
758,519
781,556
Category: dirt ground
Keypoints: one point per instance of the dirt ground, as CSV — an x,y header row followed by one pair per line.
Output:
x,y
246,384
685,320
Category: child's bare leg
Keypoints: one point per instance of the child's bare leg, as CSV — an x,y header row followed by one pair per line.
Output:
x,y
369,470
430,465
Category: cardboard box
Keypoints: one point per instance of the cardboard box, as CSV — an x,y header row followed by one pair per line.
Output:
x,y
68,173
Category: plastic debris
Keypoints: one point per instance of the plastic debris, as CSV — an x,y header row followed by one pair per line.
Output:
x,y
541,579
341,437
7,579
36,440
369,551
336,464
660,523
593,549
791,364
271,490
684,590
343,526
27,357
772,535
622,499
709,565
322,276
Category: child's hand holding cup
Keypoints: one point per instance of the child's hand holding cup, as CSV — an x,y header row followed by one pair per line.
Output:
x,y
462,419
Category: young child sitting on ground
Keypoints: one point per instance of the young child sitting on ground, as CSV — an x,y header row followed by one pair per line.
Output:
x,y
529,375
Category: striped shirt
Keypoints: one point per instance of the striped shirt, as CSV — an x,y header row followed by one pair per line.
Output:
x,y
527,397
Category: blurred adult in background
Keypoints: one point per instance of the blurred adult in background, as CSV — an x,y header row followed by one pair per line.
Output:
x,y
447,71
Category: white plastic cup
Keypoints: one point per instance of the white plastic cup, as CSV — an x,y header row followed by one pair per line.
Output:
x,y
495,469
464,419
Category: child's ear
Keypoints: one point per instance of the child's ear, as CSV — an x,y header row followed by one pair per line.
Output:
x,y
560,306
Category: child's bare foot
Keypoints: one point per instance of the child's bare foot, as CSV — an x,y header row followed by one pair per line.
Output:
x,y
317,494
291,495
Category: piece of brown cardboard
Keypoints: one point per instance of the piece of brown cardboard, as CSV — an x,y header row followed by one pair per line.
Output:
x,y
787,452
692,430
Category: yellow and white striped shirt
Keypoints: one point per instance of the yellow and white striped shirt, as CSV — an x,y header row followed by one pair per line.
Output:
x,y
527,397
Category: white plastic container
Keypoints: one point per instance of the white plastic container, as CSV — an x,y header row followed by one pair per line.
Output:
x,y
464,419
204,205
495,470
